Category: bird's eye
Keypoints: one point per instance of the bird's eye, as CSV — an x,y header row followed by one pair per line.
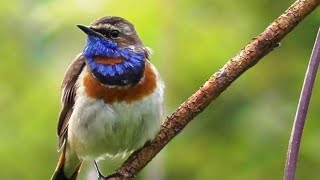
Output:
x,y
114,34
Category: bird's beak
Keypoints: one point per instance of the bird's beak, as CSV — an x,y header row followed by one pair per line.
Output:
x,y
88,30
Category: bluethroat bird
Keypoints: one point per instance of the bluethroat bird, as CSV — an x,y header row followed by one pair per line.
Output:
x,y
112,98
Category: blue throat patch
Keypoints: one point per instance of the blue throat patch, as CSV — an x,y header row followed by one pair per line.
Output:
x,y
130,71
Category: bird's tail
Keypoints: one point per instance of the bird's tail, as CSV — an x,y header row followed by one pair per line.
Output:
x,y
68,166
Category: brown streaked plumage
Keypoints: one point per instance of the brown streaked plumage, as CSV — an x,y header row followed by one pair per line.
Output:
x,y
68,88
95,89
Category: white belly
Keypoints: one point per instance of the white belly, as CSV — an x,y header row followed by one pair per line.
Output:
x,y
97,129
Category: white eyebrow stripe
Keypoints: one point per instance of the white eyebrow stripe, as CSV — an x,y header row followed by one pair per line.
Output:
x,y
107,26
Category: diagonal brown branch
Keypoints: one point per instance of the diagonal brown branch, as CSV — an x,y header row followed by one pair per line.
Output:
x,y
216,84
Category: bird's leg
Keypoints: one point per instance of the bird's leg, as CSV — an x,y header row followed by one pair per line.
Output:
x,y
100,175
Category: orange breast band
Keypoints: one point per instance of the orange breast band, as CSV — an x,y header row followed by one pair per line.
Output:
x,y
127,94
108,61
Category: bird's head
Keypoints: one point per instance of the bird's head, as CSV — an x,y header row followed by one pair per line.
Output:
x,y
115,54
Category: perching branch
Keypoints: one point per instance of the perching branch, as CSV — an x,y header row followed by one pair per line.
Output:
x,y
297,129
216,84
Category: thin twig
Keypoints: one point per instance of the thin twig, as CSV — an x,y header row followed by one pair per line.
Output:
x,y
302,110
216,84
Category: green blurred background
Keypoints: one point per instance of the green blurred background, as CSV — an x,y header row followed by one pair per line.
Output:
x,y
242,135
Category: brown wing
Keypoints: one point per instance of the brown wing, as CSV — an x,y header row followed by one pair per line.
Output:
x,y
68,88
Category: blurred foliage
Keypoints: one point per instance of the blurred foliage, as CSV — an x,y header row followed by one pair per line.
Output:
x,y
242,135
